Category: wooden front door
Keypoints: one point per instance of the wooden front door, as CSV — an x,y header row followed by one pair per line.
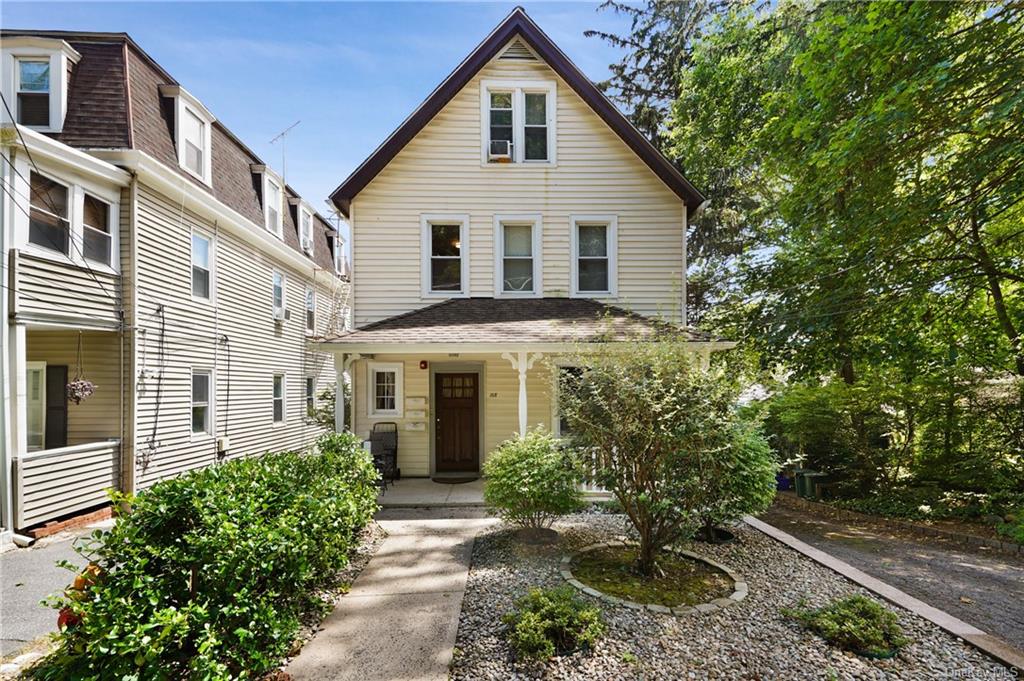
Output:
x,y
457,423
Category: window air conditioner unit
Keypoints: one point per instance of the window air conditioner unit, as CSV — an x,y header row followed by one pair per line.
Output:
x,y
500,151
281,314
307,245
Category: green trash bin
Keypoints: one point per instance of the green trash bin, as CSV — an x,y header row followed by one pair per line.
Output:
x,y
801,481
811,480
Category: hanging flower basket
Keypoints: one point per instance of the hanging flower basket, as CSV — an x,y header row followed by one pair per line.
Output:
x,y
79,389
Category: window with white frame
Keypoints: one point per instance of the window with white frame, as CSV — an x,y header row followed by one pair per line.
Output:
x,y
306,229
96,230
445,249
202,414
272,201
567,378
518,121
192,132
49,225
594,250
278,294
310,396
337,253
35,404
310,310
384,386
202,267
517,253
279,397
33,91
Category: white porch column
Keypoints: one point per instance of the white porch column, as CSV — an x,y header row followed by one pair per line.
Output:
x,y
522,362
339,396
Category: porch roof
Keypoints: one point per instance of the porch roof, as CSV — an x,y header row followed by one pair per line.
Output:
x,y
506,321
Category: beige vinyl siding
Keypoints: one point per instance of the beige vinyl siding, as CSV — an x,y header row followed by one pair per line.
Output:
x,y
184,334
50,287
499,415
440,171
98,417
64,481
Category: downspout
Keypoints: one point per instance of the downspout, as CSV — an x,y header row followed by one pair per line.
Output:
x,y
130,438
6,488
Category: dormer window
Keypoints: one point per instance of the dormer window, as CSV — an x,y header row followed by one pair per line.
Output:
x,y
192,137
35,80
337,253
34,92
518,121
272,205
306,229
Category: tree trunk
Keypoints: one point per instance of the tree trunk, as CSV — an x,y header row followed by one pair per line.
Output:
x,y
645,563
995,289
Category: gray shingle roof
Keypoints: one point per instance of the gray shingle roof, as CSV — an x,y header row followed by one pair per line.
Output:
x,y
515,320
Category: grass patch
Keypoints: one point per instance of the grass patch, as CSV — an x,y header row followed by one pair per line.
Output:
x,y
684,581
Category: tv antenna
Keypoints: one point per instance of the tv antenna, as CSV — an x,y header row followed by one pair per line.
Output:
x,y
280,137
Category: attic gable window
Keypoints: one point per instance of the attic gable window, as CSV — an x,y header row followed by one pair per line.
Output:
x,y
518,122
192,136
35,80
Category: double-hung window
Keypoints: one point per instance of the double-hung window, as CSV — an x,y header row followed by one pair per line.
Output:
x,y
310,396
306,230
445,247
278,400
594,255
518,121
193,137
49,225
33,77
310,310
202,415
278,295
272,205
201,267
96,230
384,385
517,263
337,253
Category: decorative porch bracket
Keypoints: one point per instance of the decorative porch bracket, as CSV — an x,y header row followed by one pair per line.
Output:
x,y
522,362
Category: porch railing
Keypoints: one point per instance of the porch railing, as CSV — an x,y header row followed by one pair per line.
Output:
x,y
54,482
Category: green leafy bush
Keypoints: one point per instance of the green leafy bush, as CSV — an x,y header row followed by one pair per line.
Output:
x,y
531,480
550,621
932,503
856,623
209,573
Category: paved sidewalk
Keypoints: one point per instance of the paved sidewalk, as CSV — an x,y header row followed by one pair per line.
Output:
x,y
400,619
424,492
983,589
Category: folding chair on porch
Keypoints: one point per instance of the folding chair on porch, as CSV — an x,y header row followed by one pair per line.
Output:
x,y
384,449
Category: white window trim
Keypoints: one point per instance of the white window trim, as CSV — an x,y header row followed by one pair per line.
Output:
x,y
612,223
338,253
371,383
184,100
37,366
536,222
284,292
305,399
278,229
211,409
426,221
76,212
284,398
212,267
303,211
310,291
518,88
556,422
59,53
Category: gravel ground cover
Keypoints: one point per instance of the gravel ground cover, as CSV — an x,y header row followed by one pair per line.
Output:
x,y
751,640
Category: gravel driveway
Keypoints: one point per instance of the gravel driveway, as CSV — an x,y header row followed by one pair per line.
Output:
x,y
751,640
983,589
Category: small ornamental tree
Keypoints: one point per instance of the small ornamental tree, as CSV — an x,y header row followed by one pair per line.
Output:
x,y
532,480
649,415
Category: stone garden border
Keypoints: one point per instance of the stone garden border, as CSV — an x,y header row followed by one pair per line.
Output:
x,y
739,584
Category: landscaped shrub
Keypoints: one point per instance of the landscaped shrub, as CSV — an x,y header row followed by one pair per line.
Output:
x,y
209,573
932,503
856,623
549,621
531,480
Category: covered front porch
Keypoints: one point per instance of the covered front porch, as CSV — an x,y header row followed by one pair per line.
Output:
x,y
458,378
66,411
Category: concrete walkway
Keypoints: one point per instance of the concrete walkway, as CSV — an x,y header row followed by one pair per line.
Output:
x,y
424,492
400,619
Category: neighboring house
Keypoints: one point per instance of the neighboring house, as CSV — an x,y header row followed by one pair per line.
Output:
x,y
146,250
514,214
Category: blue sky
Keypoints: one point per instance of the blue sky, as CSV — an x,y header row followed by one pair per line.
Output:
x,y
351,72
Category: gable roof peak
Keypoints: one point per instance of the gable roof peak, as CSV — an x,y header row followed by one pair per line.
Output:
x,y
517,24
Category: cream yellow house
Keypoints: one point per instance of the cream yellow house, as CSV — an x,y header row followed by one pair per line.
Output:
x,y
514,216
